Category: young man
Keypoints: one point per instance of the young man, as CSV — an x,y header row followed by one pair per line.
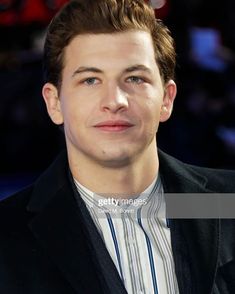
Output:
x,y
95,221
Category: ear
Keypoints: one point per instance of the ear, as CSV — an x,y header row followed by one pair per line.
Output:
x,y
50,95
168,100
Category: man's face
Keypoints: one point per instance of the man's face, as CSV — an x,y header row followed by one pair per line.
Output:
x,y
111,97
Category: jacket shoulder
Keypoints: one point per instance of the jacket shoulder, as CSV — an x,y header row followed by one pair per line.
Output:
x,y
220,180
16,198
180,173
13,209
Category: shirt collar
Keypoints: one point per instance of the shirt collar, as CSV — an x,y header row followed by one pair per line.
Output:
x,y
110,203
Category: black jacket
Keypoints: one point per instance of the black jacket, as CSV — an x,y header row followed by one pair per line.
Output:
x,y
50,245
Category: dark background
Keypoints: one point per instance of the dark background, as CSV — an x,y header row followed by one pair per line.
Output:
x,y
202,128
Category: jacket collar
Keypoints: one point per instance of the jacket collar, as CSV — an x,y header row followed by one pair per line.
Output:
x,y
195,257
64,230
178,177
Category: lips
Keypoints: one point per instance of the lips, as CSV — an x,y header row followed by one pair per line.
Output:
x,y
114,126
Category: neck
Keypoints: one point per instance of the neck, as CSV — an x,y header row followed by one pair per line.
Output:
x,y
125,181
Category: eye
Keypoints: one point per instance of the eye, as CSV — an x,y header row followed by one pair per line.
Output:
x,y
135,80
90,81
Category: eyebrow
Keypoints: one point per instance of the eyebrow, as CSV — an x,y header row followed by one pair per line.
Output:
x,y
136,67
86,69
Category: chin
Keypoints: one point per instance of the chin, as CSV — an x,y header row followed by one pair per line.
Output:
x,y
115,161
112,163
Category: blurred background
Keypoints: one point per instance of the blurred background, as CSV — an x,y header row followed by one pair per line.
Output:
x,y
202,128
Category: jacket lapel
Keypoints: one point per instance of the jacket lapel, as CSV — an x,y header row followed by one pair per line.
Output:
x,y
60,228
195,242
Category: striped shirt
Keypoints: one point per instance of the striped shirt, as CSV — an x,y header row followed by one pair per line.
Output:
x,y
137,238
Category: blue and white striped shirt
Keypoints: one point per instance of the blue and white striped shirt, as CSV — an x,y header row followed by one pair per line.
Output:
x,y
137,238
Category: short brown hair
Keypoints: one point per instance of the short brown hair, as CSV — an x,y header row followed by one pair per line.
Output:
x,y
105,16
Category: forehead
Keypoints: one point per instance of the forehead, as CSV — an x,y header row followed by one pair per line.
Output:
x,y
108,50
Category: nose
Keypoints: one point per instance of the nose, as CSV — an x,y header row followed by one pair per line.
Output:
x,y
114,99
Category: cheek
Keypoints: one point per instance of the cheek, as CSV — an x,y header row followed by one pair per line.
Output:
x,y
73,118
150,108
74,109
152,117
